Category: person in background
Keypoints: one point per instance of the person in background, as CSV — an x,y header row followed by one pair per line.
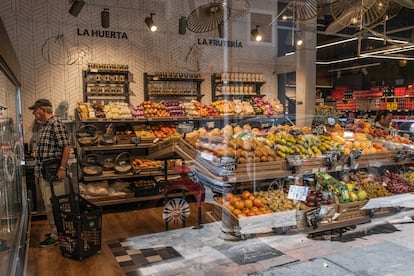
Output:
x,y
53,142
383,120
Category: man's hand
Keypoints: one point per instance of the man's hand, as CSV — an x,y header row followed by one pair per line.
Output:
x,y
61,174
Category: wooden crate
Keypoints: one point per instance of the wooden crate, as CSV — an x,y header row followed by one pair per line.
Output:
x,y
379,156
255,224
261,166
351,210
311,163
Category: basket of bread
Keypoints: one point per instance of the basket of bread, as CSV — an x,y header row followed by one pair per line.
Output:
x,y
92,165
123,163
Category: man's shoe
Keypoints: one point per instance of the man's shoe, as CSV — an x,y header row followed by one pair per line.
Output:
x,y
48,242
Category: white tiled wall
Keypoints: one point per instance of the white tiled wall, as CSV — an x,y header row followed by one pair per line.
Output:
x,y
52,55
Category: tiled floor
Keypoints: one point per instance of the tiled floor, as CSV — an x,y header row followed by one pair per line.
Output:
x,y
376,248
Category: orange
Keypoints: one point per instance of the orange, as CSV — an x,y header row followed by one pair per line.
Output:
x,y
248,203
257,202
228,196
237,212
233,200
239,204
245,194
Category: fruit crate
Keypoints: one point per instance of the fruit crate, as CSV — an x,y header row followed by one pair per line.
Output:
x,y
254,224
351,210
278,165
377,157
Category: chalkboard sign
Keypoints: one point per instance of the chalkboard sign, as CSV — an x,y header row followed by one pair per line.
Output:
x,y
401,155
313,217
228,164
355,154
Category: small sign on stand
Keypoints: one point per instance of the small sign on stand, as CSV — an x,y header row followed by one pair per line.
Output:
x,y
331,158
401,156
294,161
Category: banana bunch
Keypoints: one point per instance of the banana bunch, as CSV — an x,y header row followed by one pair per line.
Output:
x,y
306,145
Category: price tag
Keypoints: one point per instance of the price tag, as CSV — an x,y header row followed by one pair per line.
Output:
x,y
323,169
232,179
375,164
294,160
210,124
315,170
338,168
298,192
331,121
207,156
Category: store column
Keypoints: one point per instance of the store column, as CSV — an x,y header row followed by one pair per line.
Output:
x,y
306,73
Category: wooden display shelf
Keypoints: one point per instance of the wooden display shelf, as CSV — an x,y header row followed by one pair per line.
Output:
x,y
113,176
112,200
116,147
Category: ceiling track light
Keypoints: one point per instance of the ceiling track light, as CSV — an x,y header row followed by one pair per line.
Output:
x,y
256,34
182,25
221,29
364,71
299,40
76,7
150,23
105,18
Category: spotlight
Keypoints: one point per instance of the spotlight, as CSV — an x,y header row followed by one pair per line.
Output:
x,y
105,18
221,29
364,71
256,34
76,7
299,42
338,74
182,25
150,23
402,62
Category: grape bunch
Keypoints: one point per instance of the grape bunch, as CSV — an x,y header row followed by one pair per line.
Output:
x,y
396,183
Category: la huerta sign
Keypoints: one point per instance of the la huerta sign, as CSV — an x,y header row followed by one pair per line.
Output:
x,y
102,33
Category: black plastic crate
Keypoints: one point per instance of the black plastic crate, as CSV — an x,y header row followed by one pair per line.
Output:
x,y
79,225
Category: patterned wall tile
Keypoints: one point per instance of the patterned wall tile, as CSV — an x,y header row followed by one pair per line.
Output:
x,y
52,55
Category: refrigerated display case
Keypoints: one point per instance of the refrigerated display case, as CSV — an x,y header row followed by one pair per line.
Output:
x,y
14,213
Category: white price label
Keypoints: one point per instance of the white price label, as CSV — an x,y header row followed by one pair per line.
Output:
x,y
210,124
298,192
375,164
232,179
207,156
